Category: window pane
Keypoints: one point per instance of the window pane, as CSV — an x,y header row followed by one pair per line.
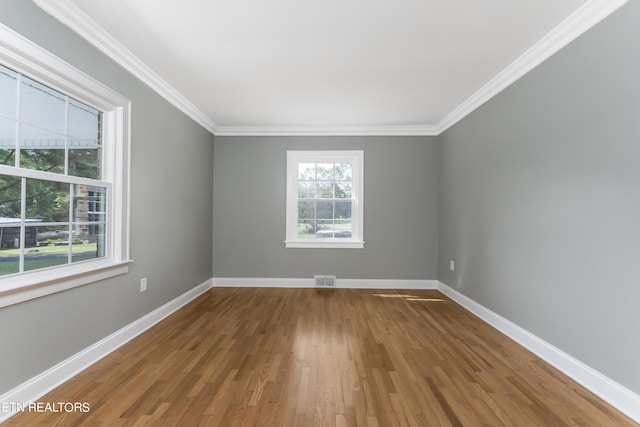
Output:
x,y
306,228
42,106
306,190
52,247
342,229
40,139
47,201
7,141
9,250
324,210
10,235
324,190
344,172
343,190
324,229
41,150
85,163
89,204
88,242
10,263
324,171
8,91
84,122
54,236
10,197
343,210
306,171
43,160
306,210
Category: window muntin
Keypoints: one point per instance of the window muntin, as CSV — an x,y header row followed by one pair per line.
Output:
x,y
324,199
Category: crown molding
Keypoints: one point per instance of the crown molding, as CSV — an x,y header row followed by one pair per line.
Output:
x,y
70,15
576,24
399,130
568,30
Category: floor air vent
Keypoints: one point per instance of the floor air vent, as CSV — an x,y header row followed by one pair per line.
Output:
x,y
324,281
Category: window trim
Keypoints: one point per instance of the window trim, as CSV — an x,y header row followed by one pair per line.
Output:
x,y
31,60
295,157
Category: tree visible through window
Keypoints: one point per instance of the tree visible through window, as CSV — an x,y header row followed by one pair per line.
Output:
x,y
325,200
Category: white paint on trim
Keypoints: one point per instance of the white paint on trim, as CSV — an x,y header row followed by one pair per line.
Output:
x,y
70,15
572,27
610,391
260,282
576,24
418,130
43,383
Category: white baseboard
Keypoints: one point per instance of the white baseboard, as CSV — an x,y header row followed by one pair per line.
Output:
x,y
259,282
608,390
40,385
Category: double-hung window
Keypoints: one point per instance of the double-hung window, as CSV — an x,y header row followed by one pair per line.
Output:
x,y
325,199
63,174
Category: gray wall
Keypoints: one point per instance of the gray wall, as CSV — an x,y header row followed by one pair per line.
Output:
x,y
540,200
400,219
171,208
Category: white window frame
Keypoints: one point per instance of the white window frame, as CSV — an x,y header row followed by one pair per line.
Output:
x,y
29,59
356,158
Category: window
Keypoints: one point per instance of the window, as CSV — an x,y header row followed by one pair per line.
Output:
x,y
63,174
325,192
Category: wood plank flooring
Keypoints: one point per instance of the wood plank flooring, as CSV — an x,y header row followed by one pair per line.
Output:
x,y
302,357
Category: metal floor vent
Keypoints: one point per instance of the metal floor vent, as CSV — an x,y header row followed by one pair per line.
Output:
x,y
324,281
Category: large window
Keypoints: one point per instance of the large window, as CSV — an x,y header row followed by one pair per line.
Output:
x,y
325,199
48,218
63,174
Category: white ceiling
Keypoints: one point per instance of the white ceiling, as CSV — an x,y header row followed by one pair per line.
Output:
x,y
329,66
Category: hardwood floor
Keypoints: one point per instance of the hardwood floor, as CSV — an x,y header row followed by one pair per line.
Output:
x,y
302,357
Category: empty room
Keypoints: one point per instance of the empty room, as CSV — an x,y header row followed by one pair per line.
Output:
x,y
336,213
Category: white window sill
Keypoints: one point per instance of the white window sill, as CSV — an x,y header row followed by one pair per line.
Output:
x,y
324,244
26,286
